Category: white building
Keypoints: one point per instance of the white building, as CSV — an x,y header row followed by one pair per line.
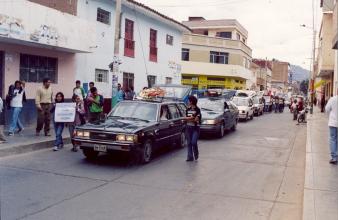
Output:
x,y
150,46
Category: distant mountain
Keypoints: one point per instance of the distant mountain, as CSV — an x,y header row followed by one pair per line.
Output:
x,y
299,73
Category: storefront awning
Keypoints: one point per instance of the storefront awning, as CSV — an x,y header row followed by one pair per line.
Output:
x,y
319,84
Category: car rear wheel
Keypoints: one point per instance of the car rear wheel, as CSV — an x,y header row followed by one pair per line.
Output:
x,y
90,154
220,132
146,152
234,127
182,143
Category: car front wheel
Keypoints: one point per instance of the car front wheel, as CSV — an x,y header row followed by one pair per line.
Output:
x,y
146,152
221,131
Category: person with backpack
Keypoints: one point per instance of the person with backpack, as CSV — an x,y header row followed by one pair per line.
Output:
x,y
79,91
16,98
95,105
79,118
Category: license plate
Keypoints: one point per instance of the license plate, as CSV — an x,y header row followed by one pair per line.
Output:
x,y
100,148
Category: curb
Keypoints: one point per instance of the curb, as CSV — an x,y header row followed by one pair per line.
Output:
x,y
308,196
26,148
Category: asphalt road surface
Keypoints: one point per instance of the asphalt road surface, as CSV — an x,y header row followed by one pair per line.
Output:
x,y
256,172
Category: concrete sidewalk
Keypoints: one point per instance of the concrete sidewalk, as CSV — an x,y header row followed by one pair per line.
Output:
x,y
27,141
321,178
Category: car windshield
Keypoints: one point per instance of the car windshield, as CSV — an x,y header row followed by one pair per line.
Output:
x,y
136,110
240,102
213,105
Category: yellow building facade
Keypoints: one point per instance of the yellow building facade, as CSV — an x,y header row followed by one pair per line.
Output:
x,y
215,55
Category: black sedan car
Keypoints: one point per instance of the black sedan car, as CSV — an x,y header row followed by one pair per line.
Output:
x,y
137,127
218,115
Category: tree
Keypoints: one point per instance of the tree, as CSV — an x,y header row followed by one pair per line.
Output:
x,y
304,86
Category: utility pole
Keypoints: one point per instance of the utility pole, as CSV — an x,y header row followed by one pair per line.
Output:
x,y
114,66
311,82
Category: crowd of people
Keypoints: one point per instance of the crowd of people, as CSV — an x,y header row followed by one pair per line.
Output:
x,y
89,108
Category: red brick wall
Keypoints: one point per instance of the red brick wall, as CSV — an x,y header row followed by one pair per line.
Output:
x,y
67,6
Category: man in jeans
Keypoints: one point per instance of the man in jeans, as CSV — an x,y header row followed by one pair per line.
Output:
x,y
43,101
17,96
193,117
332,109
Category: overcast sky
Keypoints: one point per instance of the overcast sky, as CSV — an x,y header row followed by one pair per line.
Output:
x,y
273,25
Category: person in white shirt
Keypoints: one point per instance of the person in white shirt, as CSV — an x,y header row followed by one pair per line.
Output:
x,y
79,91
17,96
331,108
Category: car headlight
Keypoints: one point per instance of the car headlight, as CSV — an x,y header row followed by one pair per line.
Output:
x,y
209,122
85,134
126,137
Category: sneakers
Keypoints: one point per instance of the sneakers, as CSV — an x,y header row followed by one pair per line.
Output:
x,y
333,161
20,130
55,148
10,134
47,134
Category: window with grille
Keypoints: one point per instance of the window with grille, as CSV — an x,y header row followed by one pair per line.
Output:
x,y
151,81
128,80
103,16
170,39
219,57
101,75
153,45
36,68
185,54
129,43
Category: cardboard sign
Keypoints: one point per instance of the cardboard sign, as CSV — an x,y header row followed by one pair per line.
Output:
x,y
65,112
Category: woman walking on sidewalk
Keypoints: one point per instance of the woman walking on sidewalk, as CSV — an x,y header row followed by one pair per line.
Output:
x,y
332,109
79,118
16,96
58,126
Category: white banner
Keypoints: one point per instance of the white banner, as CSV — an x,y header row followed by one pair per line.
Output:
x,y
65,112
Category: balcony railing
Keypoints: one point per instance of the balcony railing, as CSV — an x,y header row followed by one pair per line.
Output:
x,y
129,48
153,54
203,40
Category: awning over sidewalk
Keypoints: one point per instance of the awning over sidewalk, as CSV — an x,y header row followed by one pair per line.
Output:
x,y
319,84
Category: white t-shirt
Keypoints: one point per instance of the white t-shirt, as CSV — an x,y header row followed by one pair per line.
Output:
x,y
17,100
332,109
78,92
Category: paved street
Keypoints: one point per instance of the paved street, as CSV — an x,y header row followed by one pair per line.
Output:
x,y
255,173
